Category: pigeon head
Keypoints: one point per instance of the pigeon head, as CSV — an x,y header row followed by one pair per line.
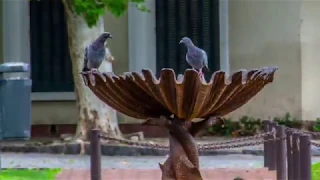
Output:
x,y
104,36
187,41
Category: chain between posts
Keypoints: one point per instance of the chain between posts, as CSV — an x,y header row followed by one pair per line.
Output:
x,y
238,145
136,143
228,144
238,140
301,131
312,133
208,146
315,144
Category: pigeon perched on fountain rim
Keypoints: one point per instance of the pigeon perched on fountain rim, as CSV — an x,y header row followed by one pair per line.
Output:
x,y
95,53
197,58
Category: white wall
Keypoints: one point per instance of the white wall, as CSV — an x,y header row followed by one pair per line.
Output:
x,y
310,59
267,33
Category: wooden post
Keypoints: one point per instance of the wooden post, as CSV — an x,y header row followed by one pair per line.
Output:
x,y
281,153
296,155
95,157
266,144
305,157
289,155
273,152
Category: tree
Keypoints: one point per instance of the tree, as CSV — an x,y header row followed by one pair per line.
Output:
x,y
85,23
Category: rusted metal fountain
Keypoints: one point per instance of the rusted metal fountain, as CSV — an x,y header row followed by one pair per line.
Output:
x,y
173,102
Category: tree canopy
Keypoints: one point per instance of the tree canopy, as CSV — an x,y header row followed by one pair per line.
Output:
x,y
91,10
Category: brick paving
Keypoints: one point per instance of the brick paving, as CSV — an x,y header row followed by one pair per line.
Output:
x,y
148,174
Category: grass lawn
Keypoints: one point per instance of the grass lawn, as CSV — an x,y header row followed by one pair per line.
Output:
x,y
29,174
315,171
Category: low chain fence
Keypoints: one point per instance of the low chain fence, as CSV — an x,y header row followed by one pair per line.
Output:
x,y
286,150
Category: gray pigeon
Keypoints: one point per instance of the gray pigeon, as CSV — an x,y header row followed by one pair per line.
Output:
x,y
196,57
95,53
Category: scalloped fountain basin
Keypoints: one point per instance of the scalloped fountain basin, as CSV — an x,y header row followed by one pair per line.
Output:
x,y
142,95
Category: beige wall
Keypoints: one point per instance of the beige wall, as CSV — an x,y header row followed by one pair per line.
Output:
x,y
310,59
284,34
267,33
61,112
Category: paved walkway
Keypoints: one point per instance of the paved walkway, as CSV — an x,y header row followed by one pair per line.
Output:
x,y
148,174
127,167
31,160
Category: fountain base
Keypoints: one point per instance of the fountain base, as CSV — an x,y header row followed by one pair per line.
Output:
x,y
183,160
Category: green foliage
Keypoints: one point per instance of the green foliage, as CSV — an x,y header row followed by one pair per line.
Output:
x,y
225,129
316,126
246,126
249,126
288,121
29,174
315,170
92,10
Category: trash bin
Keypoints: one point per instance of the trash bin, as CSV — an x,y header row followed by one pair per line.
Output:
x,y
15,102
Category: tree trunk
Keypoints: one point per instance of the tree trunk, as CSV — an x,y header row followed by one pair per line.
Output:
x,y
93,113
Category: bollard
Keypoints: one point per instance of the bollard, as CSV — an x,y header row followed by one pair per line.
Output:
x,y
273,152
281,152
305,157
95,157
289,155
296,155
266,144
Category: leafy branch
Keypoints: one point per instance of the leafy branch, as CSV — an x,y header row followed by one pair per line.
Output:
x,y
92,10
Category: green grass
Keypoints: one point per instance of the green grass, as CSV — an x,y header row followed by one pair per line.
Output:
x,y
315,169
29,174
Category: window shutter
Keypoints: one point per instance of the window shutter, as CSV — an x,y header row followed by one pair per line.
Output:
x,y
51,68
197,19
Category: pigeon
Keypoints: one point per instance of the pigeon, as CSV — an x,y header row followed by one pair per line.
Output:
x,y
197,58
95,53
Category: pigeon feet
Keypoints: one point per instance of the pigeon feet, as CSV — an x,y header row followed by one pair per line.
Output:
x,y
93,70
201,74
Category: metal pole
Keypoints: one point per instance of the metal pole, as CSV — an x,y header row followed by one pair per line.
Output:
x,y
305,157
266,144
289,155
296,155
95,157
281,153
273,152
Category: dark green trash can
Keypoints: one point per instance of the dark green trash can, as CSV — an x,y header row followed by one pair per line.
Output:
x,y
15,102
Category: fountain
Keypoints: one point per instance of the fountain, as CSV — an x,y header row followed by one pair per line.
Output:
x,y
174,101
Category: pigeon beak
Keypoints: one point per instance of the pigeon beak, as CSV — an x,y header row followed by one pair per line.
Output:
x,y
110,36
180,42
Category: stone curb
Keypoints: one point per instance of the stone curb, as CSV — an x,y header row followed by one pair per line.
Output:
x,y
120,150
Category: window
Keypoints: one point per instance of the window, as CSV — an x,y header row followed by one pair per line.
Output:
x,y
197,19
51,68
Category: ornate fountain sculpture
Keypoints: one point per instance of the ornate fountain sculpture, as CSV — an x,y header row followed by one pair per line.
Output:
x,y
173,102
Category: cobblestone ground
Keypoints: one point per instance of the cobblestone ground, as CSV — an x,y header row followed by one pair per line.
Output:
x,y
16,160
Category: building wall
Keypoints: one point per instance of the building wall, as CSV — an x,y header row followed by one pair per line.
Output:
x,y
261,33
310,53
283,34
267,33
